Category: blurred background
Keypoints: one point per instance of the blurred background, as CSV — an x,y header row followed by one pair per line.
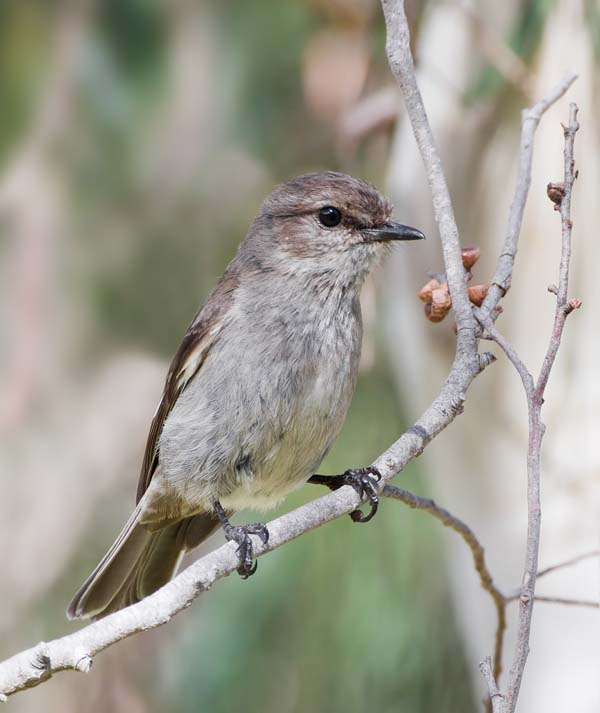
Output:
x,y
137,140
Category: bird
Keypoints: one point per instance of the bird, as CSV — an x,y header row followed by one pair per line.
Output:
x,y
259,388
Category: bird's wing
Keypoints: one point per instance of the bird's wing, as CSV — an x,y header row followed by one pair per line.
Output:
x,y
197,342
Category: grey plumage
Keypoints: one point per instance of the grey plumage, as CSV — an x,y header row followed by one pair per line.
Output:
x,y
260,387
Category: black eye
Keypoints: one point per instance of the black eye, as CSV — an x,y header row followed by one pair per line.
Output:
x,y
330,216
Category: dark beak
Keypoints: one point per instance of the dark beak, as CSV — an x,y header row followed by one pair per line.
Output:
x,y
392,231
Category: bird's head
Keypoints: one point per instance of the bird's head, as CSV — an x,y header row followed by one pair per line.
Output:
x,y
325,223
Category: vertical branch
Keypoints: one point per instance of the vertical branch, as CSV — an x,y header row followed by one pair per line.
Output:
x,y
537,428
535,398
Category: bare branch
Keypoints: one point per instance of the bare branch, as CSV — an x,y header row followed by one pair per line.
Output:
x,y
402,66
530,119
526,378
590,603
568,563
535,399
467,362
501,281
485,577
496,697
76,651
536,428
568,601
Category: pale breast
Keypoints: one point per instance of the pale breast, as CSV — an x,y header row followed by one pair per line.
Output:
x,y
265,407
310,427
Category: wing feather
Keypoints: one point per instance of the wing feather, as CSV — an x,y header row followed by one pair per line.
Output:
x,y
196,344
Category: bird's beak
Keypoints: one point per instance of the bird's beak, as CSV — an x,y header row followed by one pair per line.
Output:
x,y
392,231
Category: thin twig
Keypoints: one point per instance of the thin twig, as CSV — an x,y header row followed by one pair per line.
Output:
x,y
530,119
568,563
492,332
568,601
536,427
485,577
535,398
511,597
501,281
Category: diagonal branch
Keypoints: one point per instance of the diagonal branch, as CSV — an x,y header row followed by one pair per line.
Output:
x,y
568,563
402,66
529,122
76,651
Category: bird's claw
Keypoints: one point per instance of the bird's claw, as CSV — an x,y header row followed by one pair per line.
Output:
x,y
364,481
245,550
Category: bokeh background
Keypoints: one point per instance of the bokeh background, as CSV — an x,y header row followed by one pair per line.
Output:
x,y
137,139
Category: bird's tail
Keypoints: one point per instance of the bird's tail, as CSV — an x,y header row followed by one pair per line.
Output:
x,y
138,563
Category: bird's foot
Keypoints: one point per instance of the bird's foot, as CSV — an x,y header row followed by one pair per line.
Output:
x,y
241,535
363,480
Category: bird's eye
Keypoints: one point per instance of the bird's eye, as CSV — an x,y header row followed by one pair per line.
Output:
x,y
330,216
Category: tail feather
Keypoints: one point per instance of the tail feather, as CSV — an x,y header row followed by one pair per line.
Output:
x,y
138,563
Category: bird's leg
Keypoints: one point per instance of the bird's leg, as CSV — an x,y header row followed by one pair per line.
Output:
x,y
363,480
241,535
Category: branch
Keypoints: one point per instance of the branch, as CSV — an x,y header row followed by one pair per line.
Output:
x,y
535,398
485,577
495,696
537,428
501,281
589,603
76,651
402,66
568,601
568,563
554,568
530,119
